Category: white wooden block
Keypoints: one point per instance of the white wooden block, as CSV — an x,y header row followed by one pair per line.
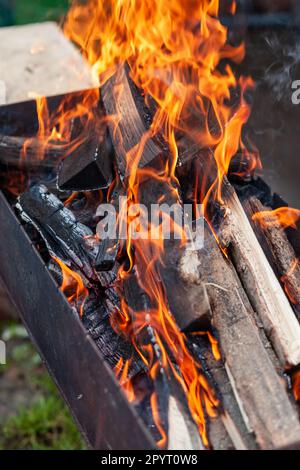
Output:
x,y
37,59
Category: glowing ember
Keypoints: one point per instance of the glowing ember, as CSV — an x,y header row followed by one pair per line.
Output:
x,y
296,385
73,286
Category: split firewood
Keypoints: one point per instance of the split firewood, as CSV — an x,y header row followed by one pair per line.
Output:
x,y
90,165
187,299
277,248
183,434
174,413
263,289
127,128
230,413
260,392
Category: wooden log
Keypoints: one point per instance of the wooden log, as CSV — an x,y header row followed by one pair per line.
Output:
x,y
88,167
231,415
182,434
187,299
65,238
11,148
175,416
262,287
261,392
109,247
277,248
127,127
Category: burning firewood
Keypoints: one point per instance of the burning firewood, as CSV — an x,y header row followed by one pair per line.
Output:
x,y
277,247
24,152
262,287
65,237
110,246
127,127
260,392
90,164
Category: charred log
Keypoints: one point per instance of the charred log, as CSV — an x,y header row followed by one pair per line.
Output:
x,y
65,238
127,127
89,166
37,155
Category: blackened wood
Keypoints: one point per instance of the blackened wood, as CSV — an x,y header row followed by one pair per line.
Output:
x,y
107,255
127,128
89,166
113,346
110,246
263,289
261,391
173,410
66,238
138,302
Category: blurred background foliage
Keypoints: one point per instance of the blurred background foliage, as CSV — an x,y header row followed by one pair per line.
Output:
x,y
31,11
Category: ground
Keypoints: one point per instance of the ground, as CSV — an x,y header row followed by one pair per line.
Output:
x,y
32,415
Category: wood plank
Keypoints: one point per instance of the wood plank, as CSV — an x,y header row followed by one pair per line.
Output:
x,y
263,288
37,59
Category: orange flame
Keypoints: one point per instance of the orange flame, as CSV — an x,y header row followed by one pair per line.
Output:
x,y
55,129
73,286
121,371
174,50
296,385
284,217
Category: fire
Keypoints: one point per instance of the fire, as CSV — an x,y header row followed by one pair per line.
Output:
x,y
296,385
290,292
178,54
174,50
121,371
55,128
73,286
284,217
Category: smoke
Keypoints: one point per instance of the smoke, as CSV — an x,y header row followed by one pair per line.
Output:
x,y
284,68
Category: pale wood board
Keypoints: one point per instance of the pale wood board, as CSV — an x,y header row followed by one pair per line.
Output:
x,y
37,59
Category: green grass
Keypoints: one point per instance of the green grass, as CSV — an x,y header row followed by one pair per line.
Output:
x,y
31,11
46,424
